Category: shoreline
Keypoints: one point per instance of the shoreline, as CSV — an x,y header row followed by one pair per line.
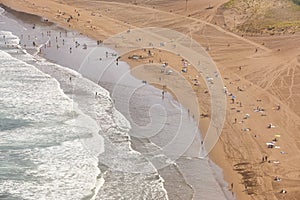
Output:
x,y
65,85
243,141
204,127
168,172
203,122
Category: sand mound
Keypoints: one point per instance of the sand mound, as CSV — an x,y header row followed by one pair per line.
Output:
x,y
256,16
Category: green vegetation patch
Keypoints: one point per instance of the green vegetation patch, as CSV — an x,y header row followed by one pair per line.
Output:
x,y
296,1
230,4
285,24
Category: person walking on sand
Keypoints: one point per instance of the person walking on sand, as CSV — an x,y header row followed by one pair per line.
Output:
x,y
117,61
163,94
278,107
232,99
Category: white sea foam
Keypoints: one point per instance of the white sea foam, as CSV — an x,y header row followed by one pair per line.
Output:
x,y
7,39
1,11
59,172
40,146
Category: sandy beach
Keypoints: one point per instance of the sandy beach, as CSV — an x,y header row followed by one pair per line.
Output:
x,y
260,139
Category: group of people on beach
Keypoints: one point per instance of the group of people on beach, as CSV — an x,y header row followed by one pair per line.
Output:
x,y
269,126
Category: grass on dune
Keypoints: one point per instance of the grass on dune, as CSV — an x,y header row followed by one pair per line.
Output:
x,y
296,2
266,15
229,4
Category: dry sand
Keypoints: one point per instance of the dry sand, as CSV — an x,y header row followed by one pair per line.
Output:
x,y
269,76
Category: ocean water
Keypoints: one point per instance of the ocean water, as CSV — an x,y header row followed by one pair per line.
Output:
x,y
40,148
59,141
96,136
